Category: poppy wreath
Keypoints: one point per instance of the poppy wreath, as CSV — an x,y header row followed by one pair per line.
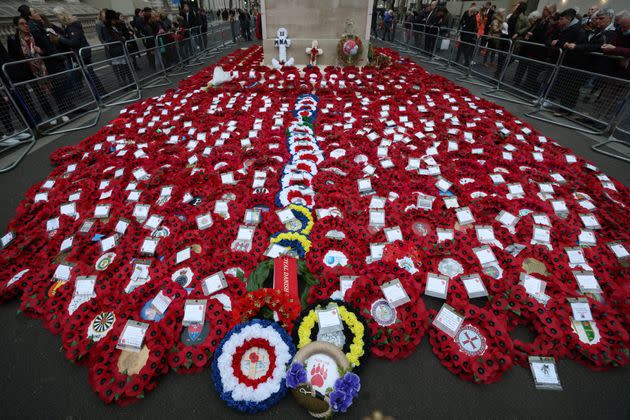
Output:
x,y
194,345
400,338
480,351
267,303
600,344
109,374
356,345
85,327
249,366
333,135
523,310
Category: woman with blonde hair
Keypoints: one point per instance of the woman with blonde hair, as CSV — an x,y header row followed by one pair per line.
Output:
x,y
71,35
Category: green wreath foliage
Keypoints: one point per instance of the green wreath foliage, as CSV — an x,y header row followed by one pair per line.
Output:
x,y
264,271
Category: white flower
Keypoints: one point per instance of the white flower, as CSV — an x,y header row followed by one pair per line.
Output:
x,y
229,381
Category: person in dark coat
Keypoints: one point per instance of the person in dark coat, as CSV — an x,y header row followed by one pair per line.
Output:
x,y
72,38
603,32
190,17
71,34
203,22
468,35
620,46
566,87
429,19
189,20
619,51
112,34
129,34
5,102
138,22
43,38
21,46
537,51
569,30
490,11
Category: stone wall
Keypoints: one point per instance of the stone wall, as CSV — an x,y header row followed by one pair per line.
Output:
x,y
306,20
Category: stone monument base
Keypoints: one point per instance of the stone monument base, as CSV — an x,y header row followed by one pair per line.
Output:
x,y
306,20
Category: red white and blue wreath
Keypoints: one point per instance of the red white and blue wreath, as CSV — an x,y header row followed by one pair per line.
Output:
x,y
249,366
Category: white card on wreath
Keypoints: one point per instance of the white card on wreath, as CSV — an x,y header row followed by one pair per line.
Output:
x,y
66,244
345,283
587,282
84,285
437,286
214,283
62,272
448,320
464,216
395,293
132,336
161,302
328,319
393,234
445,234
581,309
149,245
474,286
182,255
194,312
204,221
485,255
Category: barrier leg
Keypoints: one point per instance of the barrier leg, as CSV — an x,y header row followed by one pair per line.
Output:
x,y
18,133
567,101
598,148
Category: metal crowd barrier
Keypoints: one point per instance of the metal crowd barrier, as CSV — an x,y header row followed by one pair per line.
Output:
x,y
196,40
594,100
213,41
489,59
527,73
619,135
534,75
170,54
52,101
466,47
16,132
112,87
400,38
147,61
98,76
440,45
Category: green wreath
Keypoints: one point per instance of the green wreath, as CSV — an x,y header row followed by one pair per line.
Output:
x,y
346,58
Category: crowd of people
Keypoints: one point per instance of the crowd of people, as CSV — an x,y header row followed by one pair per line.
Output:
x,y
596,43
246,21
42,43
537,36
600,30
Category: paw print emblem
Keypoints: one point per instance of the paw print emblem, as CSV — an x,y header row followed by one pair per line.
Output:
x,y
318,375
